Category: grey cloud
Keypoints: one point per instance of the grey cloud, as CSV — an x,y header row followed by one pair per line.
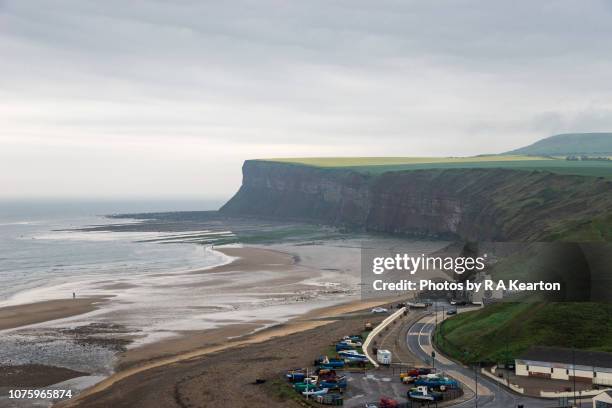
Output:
x,y
296,78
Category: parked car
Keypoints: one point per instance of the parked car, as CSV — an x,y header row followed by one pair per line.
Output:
x,y
352,343
408,379
437,383
451,312
423,394
355,337
388,403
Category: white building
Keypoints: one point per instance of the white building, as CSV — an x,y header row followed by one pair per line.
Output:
x,y
565,364
603,400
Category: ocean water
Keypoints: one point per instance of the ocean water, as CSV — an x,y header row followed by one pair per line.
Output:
x,y
36,251
152,290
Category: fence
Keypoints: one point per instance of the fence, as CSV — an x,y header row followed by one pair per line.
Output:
x,y
376,331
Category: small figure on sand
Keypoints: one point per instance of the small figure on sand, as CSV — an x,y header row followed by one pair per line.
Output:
x,y
74,295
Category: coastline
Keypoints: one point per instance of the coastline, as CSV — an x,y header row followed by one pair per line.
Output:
x,y
12,317
315,319
245,260
189,344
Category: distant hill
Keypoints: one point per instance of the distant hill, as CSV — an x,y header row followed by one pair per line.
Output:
x,y
569,144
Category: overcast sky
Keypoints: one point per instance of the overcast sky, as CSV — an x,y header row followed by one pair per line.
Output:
x,y
127,99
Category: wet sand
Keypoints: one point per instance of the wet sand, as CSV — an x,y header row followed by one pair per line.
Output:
x,y
249,259
246,259
185,342
191,345
39,312
298,341
35,375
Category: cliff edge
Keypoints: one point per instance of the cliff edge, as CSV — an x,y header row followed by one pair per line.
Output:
x,y
475,204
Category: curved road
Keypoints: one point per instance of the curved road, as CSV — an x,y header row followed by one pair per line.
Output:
x,y
490,393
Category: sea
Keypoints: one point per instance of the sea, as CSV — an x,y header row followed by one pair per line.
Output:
x,y
40,246
153,289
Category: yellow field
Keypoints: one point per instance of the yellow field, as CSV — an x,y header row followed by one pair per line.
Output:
x,y
386,161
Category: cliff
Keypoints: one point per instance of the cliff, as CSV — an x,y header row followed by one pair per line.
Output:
x,y
478,204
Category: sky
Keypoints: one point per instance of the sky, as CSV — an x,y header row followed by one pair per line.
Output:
x,y
136,99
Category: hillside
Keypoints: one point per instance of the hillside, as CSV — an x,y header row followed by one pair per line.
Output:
x,y
500,332
473,203
569,144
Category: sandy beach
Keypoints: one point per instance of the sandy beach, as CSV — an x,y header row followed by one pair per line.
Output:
x,y
299,339
22,315
186,344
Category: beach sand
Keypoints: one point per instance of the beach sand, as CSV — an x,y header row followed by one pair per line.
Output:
x,y
31,313
246,259
224,375
34,375
189,345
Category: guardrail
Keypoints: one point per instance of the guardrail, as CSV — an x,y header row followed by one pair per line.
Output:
x,y
377,330
502,381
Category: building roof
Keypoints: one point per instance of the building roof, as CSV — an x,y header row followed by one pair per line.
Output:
x,y
606,395
568,356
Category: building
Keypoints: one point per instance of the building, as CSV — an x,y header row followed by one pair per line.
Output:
x,y
563,364
603,400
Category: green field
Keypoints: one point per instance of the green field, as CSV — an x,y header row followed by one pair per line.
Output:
x,y
398,161
379,165
502,331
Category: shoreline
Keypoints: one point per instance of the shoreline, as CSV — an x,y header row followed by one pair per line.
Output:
x,y
12,317
308,321
189,344
16,316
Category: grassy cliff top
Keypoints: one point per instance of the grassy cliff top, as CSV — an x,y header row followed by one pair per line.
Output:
x,y
387,161
379,165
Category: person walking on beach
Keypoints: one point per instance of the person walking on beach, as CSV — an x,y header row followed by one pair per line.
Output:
x,y
74,295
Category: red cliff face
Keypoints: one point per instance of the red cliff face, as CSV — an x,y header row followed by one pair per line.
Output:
x,y
479,204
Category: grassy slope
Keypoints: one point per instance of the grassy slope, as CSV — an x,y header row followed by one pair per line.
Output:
x,y
570,143
379,165
502,331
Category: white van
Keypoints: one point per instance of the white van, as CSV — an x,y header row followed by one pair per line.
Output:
x,y
383,357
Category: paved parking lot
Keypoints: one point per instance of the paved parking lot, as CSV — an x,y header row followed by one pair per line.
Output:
x,y
380,382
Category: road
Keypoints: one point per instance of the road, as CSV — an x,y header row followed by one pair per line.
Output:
x,y
490,393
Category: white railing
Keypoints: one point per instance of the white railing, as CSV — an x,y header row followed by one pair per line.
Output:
x,y
377,330
502,381
570,394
